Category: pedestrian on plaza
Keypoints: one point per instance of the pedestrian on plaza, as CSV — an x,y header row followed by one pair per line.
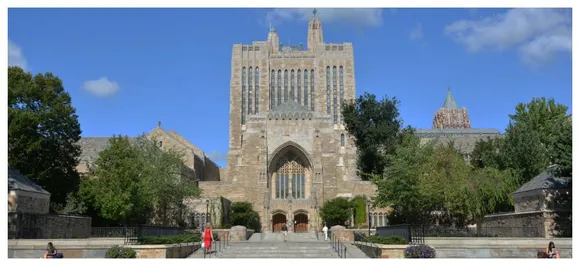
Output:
x,y
285,232
551,252
51,252
325,230
207,238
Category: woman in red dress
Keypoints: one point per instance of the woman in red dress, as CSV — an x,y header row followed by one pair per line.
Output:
x,y
207,238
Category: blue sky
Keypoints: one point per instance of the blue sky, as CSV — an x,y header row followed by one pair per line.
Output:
x,y
126,69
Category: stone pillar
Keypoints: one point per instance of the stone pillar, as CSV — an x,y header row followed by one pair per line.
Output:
x,y
238,233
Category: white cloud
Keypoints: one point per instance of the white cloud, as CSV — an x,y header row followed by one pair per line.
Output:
x,y
417,32
102,87
355,16
537,34
15,56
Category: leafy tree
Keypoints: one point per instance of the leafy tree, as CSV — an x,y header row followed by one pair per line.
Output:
x,y
164,176
74,205
539,134
375,125
118,190
399,187
43,130
490,191
446,184
487,153
336,211
242,213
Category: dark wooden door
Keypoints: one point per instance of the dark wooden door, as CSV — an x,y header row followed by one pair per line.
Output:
x,y
277,221
301,224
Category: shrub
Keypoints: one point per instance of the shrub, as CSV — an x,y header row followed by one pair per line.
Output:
x,y
173,239
117,252
390,240
420,251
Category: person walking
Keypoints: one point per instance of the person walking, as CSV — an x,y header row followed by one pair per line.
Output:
x,y
325,230
285,232
207,238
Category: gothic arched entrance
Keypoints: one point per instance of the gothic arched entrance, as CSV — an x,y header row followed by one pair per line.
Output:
x,y
289,177
300,222
278,220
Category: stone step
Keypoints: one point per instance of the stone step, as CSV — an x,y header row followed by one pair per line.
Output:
x,y
278,256
285,251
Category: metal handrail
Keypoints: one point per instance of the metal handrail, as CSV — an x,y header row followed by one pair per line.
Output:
x,y
339,247
375,249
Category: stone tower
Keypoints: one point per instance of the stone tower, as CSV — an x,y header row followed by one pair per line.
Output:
x,y
450,115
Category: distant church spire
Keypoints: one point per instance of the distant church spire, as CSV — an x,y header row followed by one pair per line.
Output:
x,y
449,100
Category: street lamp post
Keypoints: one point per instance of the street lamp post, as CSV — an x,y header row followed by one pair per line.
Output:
x,y
206,211
369,215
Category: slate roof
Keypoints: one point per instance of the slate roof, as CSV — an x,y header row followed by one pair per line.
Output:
x,y
545,180
17,181
91,146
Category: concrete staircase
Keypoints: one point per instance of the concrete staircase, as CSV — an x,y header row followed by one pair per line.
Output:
x,y
272,245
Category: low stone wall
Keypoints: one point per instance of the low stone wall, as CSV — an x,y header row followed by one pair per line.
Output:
x,y
97,248
240,233
382,251
41,226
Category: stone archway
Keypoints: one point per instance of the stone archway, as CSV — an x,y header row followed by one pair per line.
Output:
x,y
300,222
290,171
278,219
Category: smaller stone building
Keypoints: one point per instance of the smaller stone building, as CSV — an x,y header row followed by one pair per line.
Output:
x,y
24,195
543,208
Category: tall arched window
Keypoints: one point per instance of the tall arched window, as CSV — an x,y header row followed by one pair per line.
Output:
x,y
381,220
290,170
312,97
279,87
243,95
285,85
257,91
250,84
299,87
292,85
334,98
341,140
375,220
306,88
272,89
328,90
341,92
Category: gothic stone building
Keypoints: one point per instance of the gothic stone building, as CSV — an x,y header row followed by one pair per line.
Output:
x,y
289,151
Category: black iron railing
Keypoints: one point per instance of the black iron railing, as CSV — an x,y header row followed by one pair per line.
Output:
x,y
133,234
414,234
339,247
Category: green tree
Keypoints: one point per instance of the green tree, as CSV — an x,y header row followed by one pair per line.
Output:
x,y
487,153
399,187
242,213
375,126
118,189
539,134
166,178
490,191
446,184
336,211
43,130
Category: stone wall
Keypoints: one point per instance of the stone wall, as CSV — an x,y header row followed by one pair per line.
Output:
x,y
48,226
530,224
28,202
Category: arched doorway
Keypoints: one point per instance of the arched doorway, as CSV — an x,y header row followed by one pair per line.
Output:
x,y
278,220
301,222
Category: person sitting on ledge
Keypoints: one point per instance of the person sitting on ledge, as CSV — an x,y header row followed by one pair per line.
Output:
x,y
50,251
551,252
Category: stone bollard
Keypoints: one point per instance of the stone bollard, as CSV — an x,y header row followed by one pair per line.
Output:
x,y
342,234
238,233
